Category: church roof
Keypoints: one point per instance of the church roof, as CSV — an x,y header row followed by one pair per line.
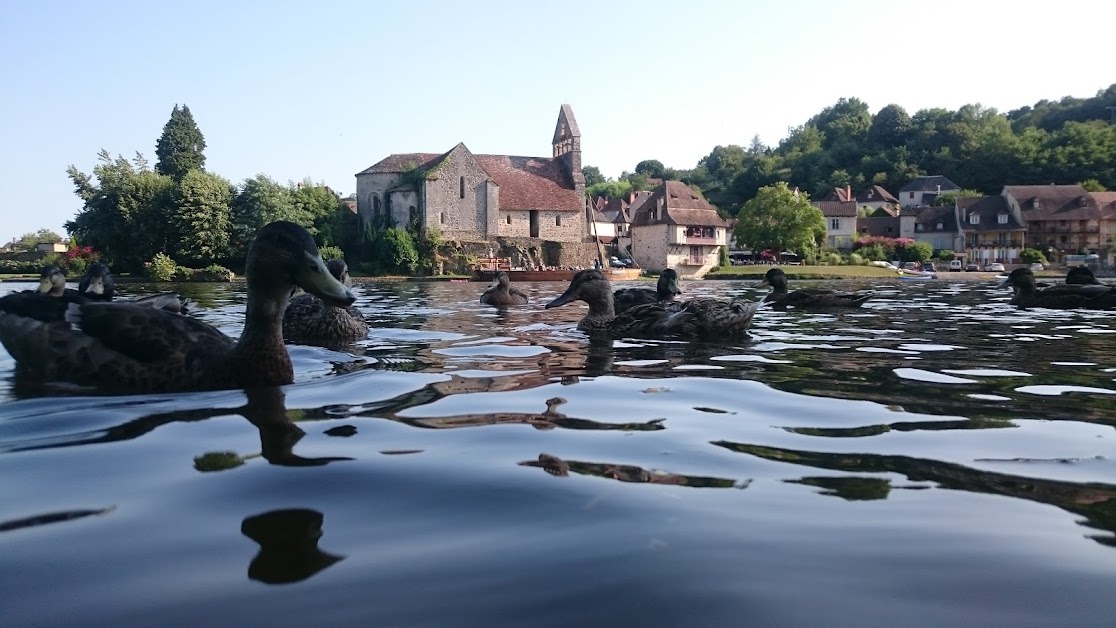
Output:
x,y
525,182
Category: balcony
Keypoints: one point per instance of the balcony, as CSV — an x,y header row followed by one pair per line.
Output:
x,y
703,240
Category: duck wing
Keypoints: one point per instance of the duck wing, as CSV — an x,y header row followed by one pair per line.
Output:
x,y
169,301
39,306
145,333
626,298
655,320
716,317
821,297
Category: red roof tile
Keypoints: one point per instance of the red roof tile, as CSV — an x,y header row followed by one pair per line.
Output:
x,y
836,209
682,206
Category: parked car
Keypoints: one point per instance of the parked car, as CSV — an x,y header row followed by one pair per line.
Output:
x,y
1036,266
994,267
616,262
911,266
955,265
929,267
972,268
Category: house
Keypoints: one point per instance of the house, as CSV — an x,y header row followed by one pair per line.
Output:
x,y
884,226
1063,219
472,197
875,198
840,222
923,190
675,227
51,247
600,227
936,226
840,194
993,230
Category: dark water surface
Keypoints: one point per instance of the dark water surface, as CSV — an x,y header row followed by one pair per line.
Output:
x,y
936,458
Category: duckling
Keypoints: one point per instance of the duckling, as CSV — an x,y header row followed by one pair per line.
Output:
x,y
125,347
97,284
310,320
665,290
502,294
807,298
706,317
1063,296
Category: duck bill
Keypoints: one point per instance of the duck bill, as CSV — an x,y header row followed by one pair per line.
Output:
x,y
673,287
1003,284
568,296
761,284
45,285
316,279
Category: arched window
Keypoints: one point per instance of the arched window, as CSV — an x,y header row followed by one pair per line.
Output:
x,y
462,187
375,206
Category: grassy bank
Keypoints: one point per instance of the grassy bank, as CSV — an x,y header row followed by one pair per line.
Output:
x,y
803,272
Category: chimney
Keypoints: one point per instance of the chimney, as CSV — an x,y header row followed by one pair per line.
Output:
x,y
848,192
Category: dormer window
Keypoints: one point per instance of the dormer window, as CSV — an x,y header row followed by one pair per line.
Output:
x,y
1035,204
939,226
1001,218
918,227
1083,201
974,219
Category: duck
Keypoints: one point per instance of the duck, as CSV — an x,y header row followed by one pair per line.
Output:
x,y
502,294
697,317
1061,296
665,290
310,320
97,284
52,282
807,298
128,348
1082,275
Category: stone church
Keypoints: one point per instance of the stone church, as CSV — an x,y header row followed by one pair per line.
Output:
x,y
477,198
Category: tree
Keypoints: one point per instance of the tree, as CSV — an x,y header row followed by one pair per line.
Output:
x,y
202,217
29,241
1032,256
259,201
1092,185
778,218
181,147
890,127
650,168
949,198
592,175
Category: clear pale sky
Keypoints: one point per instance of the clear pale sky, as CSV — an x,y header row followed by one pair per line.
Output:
x,y
327,88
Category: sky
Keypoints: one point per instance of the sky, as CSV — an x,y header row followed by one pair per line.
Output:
x,y
325,89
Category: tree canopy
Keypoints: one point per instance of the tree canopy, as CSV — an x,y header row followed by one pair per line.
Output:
x,y
181,147
779,218
29,241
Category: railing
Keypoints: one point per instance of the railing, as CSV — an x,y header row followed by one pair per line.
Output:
x,y
697,240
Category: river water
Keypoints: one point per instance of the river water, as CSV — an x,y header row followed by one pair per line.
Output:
x,y
934,458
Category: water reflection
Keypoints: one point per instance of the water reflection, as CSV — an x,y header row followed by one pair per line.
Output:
x,y
288,542
559,467
51,517
1095,501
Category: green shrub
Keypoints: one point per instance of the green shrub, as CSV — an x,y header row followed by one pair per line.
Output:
x,y
855,259
874,252
945,255
1030,256
331,252
16,267
213,272
831,258
161,268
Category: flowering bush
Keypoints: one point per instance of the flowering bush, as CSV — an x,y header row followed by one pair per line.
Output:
x,y
76,259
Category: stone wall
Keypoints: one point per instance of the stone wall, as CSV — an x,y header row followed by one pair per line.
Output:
x,y
525,252
457,215
556,226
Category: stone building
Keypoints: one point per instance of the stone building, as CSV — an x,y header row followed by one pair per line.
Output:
x,y
676,228
478,198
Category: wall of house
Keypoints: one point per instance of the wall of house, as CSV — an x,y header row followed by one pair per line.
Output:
x,y
571,229
652,250
371,186
402,201
456,216
602,229
843,235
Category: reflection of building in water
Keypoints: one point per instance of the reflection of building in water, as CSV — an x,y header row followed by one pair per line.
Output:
x,y
288,542
627,473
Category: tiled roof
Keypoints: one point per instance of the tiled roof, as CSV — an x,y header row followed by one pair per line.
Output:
x,y
1106,201
565,114
930,184
884,212
681,206
839,194
877,193
836,209
525,182
1054,202
989,208
930,216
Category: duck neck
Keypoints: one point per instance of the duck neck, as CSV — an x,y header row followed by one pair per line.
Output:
x,y
602,308
263,320
779,286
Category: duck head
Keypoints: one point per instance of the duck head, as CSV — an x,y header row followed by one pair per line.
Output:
x,y
589,286
668,285
52,281
98,282
282,256
340,271
775,278
1081,275
502,279
1019,279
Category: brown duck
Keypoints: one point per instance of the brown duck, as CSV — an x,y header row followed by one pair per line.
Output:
x,y
310,320
124,347
502,294
665,290
807,298
1062,296
697,317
